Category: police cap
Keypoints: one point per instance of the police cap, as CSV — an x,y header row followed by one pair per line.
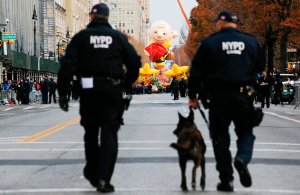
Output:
x,y
101,9
228,16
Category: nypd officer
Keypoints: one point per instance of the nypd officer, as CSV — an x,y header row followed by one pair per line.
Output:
x,y
96,56
226,64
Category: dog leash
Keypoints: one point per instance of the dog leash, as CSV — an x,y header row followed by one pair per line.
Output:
x,y
206,121
204,117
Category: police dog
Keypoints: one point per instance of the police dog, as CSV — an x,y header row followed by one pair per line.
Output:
x,y
190,146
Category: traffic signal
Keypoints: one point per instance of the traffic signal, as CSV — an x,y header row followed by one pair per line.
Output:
x,y
62,51
10,42
0,43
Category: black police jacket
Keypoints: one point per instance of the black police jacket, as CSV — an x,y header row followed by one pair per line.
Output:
x,y
265,83
98,51
226,59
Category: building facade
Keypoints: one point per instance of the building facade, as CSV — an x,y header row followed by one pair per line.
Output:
x,y
130,17
60,26
16,18
17,15
77,17
44,27
145,23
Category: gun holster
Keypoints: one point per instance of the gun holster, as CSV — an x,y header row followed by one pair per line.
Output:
x,y
257,112
257,116
125,105
203,95
205,102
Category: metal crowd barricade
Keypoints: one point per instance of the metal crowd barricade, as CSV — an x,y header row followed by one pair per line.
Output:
x,y
35,96
5,97
1,98
13,95
297,96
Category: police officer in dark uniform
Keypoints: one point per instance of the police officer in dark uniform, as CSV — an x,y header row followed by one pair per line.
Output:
x,y
26,89
226,64
52,90
265,83
45,89
175,87
96,57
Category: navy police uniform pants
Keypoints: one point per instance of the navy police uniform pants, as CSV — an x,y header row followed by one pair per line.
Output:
x,y
226,108
100,117
101,147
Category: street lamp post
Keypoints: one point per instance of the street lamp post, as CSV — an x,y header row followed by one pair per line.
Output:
x,y
3,29
34,18
58,51
68,36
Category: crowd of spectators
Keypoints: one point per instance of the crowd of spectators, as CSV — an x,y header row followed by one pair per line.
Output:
x,y
270,88
26,91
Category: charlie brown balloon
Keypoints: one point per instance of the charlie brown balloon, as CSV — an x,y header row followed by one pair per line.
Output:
x,y
161,40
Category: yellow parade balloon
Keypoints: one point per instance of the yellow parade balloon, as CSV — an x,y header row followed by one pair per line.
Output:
x,y
147,71
177,71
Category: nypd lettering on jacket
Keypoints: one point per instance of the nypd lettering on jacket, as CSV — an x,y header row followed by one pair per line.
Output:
x,y
233,47
101,41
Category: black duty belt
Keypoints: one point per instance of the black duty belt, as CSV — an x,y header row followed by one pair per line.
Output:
x,y
244,89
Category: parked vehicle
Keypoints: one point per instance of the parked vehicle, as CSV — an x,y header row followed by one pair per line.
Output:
x,y
288,91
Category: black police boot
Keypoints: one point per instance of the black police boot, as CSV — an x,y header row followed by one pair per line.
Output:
x,y
92,179
105,187
245,177
225,186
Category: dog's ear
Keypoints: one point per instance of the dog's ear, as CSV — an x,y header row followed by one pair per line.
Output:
x,y
176,132
180,116
191,115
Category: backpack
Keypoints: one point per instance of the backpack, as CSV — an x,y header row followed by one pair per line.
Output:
x,y
38,86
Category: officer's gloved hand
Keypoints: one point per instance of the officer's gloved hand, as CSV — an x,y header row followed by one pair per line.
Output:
x,y
63,103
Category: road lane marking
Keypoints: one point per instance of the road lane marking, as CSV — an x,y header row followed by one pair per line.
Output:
x,y
50,131
274,143
37,150
141,190
9,138
140,142
29,107
47,106
132,149
69,123
283,117
56,129
39,133
7,109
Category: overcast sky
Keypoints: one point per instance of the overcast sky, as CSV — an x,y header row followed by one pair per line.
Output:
x,y
169,11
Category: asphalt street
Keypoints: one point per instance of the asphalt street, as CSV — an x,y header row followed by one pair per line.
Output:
x,y
41,151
